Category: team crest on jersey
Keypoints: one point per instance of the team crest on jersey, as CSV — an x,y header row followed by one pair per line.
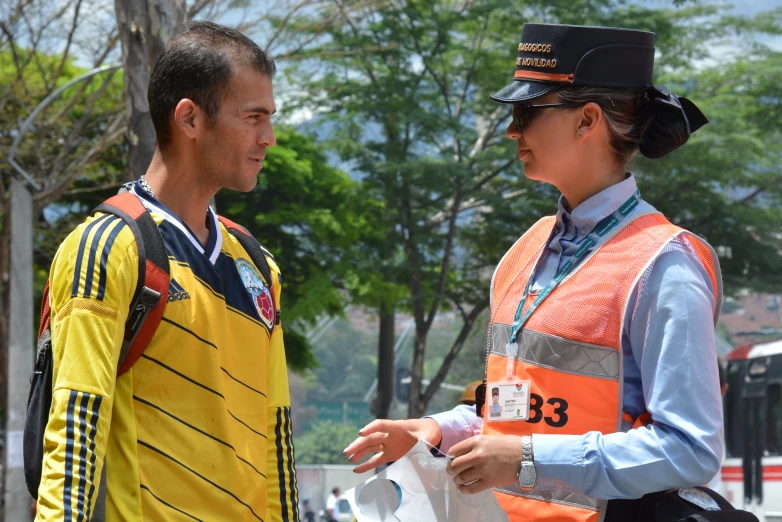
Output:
x,y
259,292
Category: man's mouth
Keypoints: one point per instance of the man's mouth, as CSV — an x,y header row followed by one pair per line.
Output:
x,y
523,153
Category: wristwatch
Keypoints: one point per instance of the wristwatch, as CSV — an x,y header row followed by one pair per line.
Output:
x,y
527,467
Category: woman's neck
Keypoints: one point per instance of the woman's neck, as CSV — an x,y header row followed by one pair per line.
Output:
x,y
584,186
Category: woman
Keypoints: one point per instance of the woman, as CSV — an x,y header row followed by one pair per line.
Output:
x,y
601,338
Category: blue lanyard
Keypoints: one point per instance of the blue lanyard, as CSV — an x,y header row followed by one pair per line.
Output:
x,y
602,228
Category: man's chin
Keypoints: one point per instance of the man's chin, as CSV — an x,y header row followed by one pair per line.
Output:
x,y
244,185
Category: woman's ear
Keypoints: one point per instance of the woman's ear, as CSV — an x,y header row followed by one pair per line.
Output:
x,y
591,118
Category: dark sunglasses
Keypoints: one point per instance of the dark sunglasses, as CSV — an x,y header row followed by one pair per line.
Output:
x,y
523,112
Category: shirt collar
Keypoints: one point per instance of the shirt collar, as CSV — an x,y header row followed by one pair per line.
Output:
x,y
589,213
213,244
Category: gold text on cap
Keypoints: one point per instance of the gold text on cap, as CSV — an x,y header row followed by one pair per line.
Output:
x,y
534,48
536,62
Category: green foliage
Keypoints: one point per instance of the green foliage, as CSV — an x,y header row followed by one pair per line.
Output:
x,y
305,213
725,184
324,443
403,93
64,144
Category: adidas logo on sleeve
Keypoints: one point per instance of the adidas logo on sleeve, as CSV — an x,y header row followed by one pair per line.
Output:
x,y
176,292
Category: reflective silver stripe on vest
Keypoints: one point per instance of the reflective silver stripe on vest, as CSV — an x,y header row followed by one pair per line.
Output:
x,y
557,353
556,496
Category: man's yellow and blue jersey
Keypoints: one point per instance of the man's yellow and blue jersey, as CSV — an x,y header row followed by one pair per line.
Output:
x,y
200,427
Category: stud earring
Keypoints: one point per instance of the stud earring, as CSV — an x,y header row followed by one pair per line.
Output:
x,y
578,133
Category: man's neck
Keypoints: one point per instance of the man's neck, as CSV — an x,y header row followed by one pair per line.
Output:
x,y
178,190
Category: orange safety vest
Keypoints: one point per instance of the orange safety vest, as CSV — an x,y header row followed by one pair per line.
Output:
x,y
570,349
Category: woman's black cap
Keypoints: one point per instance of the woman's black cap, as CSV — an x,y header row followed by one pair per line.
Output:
x,y
553,55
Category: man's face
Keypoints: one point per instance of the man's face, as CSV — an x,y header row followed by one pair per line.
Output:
x,y
234,145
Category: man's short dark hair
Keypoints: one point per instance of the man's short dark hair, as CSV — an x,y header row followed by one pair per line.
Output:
x,y
335,491
495,391
197,64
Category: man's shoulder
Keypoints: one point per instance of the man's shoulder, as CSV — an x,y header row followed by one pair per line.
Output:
x,y
91,256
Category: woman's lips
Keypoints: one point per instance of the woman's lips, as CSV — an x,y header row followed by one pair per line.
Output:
x,y
524,153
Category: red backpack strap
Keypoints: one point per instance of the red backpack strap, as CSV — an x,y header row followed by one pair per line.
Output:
x,y
252,246
151,294
46,310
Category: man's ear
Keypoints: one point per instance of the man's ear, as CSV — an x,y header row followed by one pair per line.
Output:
x,y
591,117
188,118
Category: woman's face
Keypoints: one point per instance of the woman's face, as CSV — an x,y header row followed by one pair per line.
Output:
x,y
546,144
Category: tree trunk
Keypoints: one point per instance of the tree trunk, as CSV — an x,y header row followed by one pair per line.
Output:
x,y
416,405
145,27
385,362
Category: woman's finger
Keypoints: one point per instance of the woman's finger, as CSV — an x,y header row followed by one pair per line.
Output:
x,y
468,476
374,427
362,443
462,448
460,464
475,487
372,463
366,451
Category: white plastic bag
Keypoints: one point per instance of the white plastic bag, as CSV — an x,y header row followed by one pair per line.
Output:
x,y
417,488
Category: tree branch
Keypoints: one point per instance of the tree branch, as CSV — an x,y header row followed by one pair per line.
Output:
x,y
74,25
453,353
444,267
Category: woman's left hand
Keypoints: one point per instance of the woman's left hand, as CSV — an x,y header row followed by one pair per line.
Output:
x,y
485,461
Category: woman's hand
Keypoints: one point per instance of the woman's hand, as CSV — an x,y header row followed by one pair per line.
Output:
x,y
396,437
485,461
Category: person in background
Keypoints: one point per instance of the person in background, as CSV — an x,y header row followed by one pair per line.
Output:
x,y
309,514
332,505
468,397
716,482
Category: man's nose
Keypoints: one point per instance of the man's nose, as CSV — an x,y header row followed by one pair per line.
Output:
x,y
267,136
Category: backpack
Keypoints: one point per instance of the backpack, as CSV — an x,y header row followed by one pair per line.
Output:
x,y
146,310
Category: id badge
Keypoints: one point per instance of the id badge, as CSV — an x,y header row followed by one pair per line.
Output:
x,y
507,400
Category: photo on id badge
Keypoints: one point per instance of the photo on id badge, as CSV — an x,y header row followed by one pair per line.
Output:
x,y
509,401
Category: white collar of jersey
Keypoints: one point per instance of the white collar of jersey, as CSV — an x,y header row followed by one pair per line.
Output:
x,y
215,241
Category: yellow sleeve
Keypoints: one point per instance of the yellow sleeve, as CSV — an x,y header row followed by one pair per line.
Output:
x,y
282,494
92,280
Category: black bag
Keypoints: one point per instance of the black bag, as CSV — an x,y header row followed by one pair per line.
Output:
x,y
678,505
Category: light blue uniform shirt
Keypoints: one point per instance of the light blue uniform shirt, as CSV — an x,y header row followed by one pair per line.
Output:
x,y
670,370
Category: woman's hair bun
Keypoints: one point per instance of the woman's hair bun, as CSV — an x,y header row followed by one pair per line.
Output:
x,y
671,121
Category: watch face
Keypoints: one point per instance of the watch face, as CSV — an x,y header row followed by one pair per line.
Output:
x,y
527,475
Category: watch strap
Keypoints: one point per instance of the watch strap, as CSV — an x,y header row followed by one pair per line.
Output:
x,y
526,449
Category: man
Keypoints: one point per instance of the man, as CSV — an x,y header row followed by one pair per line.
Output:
x,y
309,514
332,505
199,428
